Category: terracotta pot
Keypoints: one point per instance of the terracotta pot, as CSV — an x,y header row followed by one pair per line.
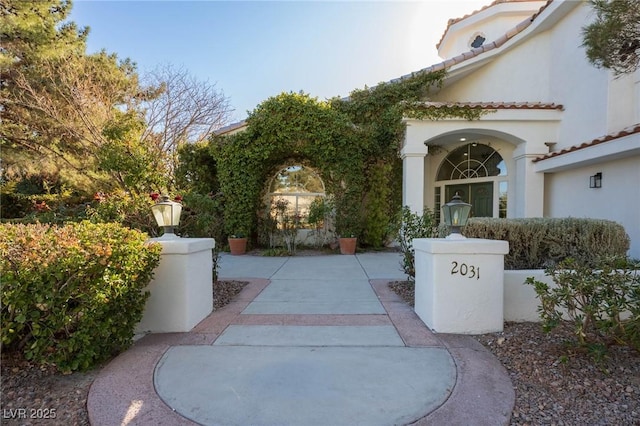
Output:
x,y
238,246
348,245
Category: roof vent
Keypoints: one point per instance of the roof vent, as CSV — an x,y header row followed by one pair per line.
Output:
x,y
478,41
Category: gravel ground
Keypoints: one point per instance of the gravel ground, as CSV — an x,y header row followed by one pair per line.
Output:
x,y
555,383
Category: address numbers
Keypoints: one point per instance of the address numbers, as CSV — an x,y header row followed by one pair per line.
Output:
x,y
469,271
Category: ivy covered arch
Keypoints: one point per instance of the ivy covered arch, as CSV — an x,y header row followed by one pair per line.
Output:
x,y
353,143
289,129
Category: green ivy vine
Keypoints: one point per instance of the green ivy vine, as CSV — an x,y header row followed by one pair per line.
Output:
x,y
353,143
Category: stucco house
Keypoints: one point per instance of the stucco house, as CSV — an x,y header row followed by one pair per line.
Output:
x,y
559,138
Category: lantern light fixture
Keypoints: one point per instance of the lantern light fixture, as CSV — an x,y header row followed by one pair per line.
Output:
x,y
595,181
456,213
167,215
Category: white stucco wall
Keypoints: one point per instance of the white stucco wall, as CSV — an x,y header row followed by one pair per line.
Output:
x,y
551,66
575,83
492,22
545,63
522,75
623,101
567,193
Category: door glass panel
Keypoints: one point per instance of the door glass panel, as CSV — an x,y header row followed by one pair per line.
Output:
x,y
472,161
503,199
479,195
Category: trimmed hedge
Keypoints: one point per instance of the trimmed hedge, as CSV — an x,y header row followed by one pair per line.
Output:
x,y
538,243
73,294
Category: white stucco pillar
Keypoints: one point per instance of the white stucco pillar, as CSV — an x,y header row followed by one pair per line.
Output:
x,y
181,288
459,286
529,185
413,154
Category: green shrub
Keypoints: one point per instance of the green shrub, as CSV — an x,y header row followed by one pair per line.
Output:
x,y
202,218
42,207
410,225
602,302
72,295
130,210
537,243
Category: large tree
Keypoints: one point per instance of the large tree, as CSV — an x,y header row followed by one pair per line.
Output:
x,y
56,99
187,110
86,119
613,39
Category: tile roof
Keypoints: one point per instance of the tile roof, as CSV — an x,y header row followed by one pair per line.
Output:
x,y
231,127
453,21
606,138
496,105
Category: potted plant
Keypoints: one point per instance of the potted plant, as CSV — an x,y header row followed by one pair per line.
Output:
x,y
348,243
237,244
347,226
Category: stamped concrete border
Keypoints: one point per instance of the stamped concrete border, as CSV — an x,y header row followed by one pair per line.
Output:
x,y
124,394
483,394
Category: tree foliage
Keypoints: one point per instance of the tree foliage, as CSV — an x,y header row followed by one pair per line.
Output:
x,y
613,39
55,98
88,122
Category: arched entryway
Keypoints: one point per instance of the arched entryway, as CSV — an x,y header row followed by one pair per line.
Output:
x,y
296,186
478,173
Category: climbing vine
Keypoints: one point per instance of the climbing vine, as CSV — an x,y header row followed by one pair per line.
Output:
x,y
292,128
353,143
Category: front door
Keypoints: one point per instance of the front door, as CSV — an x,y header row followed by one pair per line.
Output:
x,y
479,195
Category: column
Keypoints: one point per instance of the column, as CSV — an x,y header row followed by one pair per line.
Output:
x,y
529,184
413,176
181,288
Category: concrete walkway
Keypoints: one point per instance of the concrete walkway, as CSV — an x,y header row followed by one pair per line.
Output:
x,y
317,340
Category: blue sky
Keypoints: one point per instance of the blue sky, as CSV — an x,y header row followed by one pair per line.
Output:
x,y
255,50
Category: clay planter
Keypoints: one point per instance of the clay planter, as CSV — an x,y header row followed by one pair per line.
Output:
x,y
237,246
348,245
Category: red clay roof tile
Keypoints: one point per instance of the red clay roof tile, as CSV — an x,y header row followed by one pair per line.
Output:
x,y
606,138
496,105
475,12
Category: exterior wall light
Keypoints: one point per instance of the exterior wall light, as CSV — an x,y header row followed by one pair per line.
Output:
x,y
595,181
456,213
167,215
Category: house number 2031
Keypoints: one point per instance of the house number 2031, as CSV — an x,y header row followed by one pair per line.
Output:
x,y
469,271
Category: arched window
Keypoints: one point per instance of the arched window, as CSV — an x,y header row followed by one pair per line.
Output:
x,y
473,160
296,187
477,173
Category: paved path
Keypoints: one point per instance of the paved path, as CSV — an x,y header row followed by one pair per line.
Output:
x,y
318,340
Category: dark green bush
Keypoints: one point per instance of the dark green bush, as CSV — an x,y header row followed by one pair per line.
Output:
x,y
537,243
377,215
72,295
43,207
202,217
130,210
602,302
